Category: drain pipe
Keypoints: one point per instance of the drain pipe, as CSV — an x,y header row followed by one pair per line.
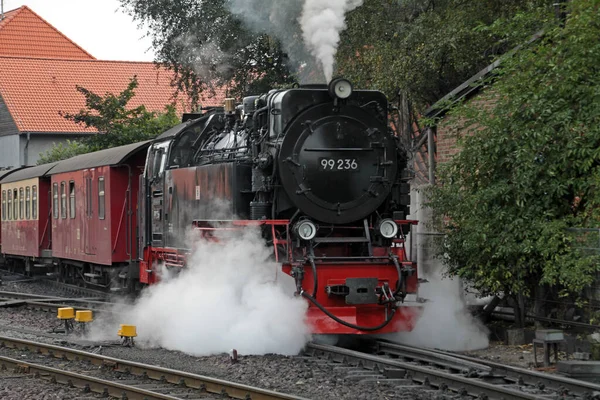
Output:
x,y
26,150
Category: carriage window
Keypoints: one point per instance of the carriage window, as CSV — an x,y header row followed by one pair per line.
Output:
x,y
101,198
27,202
55,200
9,214
15,205
63,201
4,205
21,203
34,202
71,199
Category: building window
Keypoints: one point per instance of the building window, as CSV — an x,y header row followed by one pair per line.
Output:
x,y
63,200
71,199
27,202
15,205
4,205
101,198
21,203
34,202
55,200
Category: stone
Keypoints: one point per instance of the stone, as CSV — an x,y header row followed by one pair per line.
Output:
x,y
515,337
576,369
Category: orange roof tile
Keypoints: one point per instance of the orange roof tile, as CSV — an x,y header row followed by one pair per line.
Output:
x,y
35,89
23,33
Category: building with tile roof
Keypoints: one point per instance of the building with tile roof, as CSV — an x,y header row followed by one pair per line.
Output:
x,y
23,33
39,71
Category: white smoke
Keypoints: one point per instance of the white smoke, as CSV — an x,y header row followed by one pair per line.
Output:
x,y
321,22
445,322
230,296
305,28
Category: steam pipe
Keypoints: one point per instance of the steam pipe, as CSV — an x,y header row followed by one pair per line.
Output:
x,y
341,321
315,278
401,280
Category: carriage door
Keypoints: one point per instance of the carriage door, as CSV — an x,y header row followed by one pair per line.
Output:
x,y
158,158
89,220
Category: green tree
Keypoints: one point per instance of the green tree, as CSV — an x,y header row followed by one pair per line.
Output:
x,y
205,44
426,48
530,169
62,151
116,123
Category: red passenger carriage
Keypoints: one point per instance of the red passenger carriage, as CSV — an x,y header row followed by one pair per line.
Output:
x,y
94,214
26,231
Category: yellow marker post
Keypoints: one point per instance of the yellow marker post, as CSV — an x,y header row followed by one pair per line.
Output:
x,y
127,333
83,317
67,314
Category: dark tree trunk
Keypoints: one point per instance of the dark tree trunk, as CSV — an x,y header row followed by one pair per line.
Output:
x,y
520,311
538,305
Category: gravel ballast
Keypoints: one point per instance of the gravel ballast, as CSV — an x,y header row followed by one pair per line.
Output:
x,y
302,376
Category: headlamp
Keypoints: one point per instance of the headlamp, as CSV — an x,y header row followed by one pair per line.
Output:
x,y
340,88
306,230
388,228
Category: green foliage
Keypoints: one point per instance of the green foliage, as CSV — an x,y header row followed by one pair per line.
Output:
x,y
62,151
118,124
530,169
205,44
427,48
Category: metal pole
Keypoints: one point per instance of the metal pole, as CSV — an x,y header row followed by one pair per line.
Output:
x,y
1,10
431,152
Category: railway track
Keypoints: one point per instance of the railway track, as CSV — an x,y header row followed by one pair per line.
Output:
x,y
120,378
51,303
512,375
67,288
440,371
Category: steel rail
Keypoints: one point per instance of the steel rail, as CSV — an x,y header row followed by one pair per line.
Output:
x,y
436,377
85,382
447,360
190,380
555,382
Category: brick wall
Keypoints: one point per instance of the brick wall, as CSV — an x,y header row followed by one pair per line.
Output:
x,y
450,128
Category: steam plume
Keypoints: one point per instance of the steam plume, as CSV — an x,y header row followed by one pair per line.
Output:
x,y
230,296
321,23
309,30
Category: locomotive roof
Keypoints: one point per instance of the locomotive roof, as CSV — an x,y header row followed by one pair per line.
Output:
x,y
112,156
174,130
28,173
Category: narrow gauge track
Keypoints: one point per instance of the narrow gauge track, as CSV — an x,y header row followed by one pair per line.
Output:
x,y
51,303
70,289
141,381
434,370
512,375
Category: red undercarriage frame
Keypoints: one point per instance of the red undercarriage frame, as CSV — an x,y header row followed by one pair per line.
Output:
x,y
355,295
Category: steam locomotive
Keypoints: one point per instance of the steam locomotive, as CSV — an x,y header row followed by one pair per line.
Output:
x,y
315,168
